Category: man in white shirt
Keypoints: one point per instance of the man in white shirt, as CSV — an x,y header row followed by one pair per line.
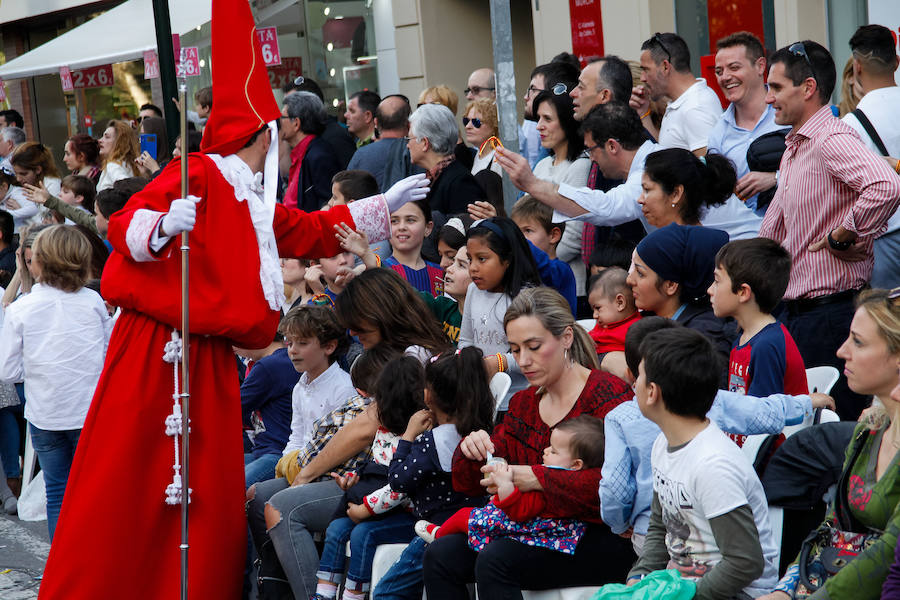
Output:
x,y
616,141
874,63
693,108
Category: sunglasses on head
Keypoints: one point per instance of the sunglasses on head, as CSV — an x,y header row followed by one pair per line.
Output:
x,y
476,123
657,37
558,90
799,49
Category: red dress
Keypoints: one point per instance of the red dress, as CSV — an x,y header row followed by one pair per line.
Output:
x,y
116,536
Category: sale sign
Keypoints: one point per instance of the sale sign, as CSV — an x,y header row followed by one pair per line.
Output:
x,y
290,68
191,58
93,77
151,64
587,29
65,76
268,41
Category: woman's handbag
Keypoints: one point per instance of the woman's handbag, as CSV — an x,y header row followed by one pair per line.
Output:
x,y
833,545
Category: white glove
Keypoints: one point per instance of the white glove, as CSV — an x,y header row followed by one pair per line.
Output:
x,y
181,216
414,187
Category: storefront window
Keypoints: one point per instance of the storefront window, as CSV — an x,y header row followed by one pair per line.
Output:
x,y
341,38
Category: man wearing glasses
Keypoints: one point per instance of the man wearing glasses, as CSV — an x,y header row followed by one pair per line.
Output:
x,y
834,197
693,107
481,85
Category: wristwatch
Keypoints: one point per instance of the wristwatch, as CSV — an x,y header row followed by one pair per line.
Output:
x,y
836,245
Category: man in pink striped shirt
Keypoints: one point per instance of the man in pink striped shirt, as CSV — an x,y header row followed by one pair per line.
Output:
x,y
834,198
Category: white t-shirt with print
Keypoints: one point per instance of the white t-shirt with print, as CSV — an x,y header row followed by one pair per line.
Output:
x,y
704,479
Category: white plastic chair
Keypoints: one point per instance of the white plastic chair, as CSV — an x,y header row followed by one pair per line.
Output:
x,y
30,460
500,384
385,557
821,379
586,324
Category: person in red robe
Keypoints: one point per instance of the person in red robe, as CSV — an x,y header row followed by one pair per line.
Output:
x,y
117,536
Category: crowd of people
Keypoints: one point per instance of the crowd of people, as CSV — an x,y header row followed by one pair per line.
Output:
x,y
716,254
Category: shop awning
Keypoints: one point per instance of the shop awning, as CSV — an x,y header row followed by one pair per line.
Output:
x,y
120,34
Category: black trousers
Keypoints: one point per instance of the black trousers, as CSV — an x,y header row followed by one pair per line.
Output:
x,y
818,332
505,567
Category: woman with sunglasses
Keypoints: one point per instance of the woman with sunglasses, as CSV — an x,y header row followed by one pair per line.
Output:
x,y
567,163
480,122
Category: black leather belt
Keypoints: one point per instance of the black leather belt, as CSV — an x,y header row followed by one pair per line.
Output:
x,y
802,305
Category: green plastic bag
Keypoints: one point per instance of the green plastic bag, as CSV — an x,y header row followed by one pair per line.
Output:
x,y
658,585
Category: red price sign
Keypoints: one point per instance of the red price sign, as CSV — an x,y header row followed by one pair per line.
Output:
x,y
2,91
268,41
290,68
65,76
93,77
191,57
151,65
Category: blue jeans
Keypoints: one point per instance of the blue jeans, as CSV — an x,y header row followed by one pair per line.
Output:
x,y
887,261
403,581
55,451
364,538
259,469
10,439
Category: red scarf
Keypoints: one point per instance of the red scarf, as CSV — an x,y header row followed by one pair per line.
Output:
x,y
297,154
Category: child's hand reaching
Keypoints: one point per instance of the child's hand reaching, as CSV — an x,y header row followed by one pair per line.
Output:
x,y
419,423
356,242
345,481
37,194
821,401
498,477
343,276
357,512
314,278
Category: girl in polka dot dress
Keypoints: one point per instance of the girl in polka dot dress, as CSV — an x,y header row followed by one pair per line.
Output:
x,y
458,401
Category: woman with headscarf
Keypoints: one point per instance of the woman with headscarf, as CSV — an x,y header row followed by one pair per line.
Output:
x,y
670,271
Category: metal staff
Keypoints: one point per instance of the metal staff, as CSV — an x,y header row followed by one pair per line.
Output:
x,y
185,338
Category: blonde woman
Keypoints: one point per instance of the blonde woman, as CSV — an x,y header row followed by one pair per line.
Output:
x,y
871,358
118,150
480,123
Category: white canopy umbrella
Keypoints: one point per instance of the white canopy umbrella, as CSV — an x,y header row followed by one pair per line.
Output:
x,y
120,34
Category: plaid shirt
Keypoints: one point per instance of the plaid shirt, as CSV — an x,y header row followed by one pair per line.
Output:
x,y
325,427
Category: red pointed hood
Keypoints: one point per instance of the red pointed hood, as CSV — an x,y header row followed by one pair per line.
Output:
x,y
243,100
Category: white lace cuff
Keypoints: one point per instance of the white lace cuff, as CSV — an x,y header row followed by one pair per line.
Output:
x,y
372,217
142,235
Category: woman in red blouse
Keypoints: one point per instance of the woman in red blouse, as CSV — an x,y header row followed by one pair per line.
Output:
x,y
557,358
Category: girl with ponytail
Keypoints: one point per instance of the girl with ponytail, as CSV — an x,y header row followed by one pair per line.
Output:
x,y
679,187
458,401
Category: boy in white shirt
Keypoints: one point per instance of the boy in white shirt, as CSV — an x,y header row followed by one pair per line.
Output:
x,y
709,517
315,340
56,339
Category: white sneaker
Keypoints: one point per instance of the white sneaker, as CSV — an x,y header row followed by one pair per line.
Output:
x,y
426,530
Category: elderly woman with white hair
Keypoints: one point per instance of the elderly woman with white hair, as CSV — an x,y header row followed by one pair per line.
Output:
x,y
432,140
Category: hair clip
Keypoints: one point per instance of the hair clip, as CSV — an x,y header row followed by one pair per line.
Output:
x,y
457,224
